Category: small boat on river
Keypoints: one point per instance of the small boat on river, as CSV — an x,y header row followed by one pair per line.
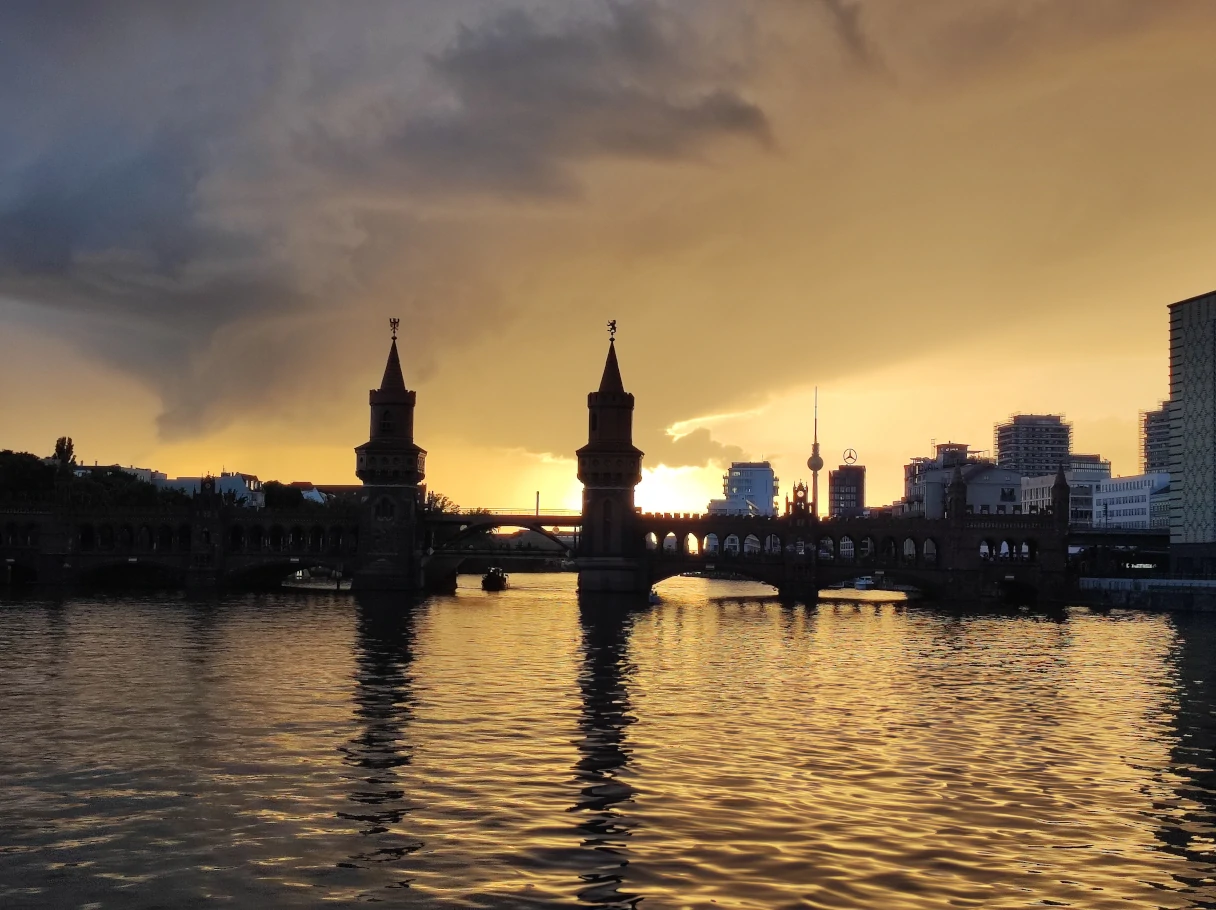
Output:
x,y
494,580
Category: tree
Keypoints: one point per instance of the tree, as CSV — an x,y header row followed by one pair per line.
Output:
x,y
437,502
281,496
65,452
24,475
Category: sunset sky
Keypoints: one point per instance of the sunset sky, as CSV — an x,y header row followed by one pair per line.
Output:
x,y
940,212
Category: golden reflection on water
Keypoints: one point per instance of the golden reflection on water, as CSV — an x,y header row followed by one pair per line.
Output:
x,y
721,749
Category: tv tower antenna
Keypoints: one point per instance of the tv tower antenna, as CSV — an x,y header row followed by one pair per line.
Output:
x,y
815,462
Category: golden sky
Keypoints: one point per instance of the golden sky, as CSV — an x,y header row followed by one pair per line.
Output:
x,y
938,212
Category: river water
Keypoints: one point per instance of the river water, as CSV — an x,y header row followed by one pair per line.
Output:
x,y
511,750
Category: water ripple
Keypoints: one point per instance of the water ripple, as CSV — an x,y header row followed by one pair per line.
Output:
x,y
514,750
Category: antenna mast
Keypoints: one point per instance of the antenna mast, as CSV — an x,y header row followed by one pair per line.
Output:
x,y
815,462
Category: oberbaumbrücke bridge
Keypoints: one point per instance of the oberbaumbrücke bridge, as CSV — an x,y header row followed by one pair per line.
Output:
x,y
383,537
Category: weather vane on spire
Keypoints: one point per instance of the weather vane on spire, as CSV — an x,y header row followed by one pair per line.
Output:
x,y
612,330
394,324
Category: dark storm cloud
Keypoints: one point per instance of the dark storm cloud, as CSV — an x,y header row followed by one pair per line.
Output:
x,y
525,100
186,178
846,16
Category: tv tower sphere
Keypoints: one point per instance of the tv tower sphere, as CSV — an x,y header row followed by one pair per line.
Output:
x,y
815,462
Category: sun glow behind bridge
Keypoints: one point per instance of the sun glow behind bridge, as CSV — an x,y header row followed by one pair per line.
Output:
x,y
663,489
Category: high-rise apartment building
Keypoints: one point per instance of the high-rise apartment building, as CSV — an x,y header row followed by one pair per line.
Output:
x,y
1192,410
1155,440
1033,444
847,491
748,488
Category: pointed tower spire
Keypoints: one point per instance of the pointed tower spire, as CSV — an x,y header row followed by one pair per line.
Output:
x,y
390,457
611,380
393,381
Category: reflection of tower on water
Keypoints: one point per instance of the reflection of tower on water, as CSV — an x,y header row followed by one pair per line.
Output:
x,y
383,706
604,793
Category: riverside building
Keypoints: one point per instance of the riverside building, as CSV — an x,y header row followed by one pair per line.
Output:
x,y
847,491
991,489
1132,502
1192,410
1033,444
1083,474
1155,440
748,488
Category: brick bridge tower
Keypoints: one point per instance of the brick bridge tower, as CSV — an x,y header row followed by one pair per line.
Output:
x,y
391,467
611,556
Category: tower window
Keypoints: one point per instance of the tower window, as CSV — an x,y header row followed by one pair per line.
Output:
x,y
386,422
595,421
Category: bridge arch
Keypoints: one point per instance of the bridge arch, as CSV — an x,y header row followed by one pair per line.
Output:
x,y
846,550
929,557
711,546
164,539
477,528
270,574
760,571
132,572
826,549
909,552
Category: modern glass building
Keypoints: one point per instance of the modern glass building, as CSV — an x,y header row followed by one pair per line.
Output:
x,y
1192,410
1033,444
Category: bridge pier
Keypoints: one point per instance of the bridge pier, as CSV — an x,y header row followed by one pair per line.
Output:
x,y
612,575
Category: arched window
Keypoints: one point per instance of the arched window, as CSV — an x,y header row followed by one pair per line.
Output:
x,y
595,421
385,510
386,422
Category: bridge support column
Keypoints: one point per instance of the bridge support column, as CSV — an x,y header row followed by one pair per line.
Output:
x,y
612,574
